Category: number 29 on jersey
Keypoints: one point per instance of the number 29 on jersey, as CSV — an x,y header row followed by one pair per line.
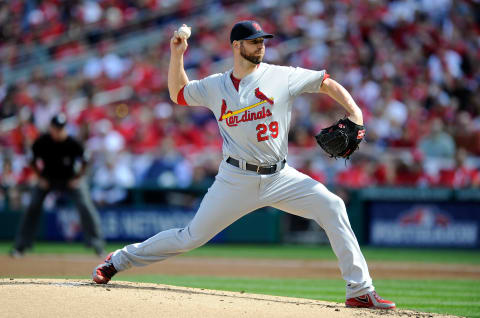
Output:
x,y
264,131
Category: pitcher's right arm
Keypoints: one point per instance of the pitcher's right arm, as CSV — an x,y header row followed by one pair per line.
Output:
x,y
177,78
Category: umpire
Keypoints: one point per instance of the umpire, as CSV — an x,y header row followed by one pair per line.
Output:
x,y
60,164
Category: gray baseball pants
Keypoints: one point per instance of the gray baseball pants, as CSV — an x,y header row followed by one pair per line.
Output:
x,y
237,192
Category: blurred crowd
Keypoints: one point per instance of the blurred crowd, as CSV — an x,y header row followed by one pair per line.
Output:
x,y
412,66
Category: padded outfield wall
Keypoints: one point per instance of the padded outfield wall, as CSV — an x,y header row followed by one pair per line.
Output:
x,y
379,216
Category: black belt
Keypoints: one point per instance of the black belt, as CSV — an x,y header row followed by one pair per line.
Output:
x,y
258,169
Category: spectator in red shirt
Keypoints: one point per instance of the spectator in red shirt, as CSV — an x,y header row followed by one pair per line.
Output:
x,y
459,176
358,175
412,174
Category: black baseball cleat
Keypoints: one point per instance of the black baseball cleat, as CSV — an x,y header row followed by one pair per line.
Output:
x,y
105,271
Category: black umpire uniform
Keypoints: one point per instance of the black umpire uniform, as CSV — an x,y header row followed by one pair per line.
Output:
x,y
59,162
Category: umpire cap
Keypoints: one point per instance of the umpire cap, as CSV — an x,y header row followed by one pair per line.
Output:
x,y
59,120
247,30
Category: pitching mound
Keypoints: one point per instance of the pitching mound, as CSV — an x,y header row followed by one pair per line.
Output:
x,y
80,298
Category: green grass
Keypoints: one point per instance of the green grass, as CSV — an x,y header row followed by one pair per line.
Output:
x,y
452,256
57,248
457,256
454,297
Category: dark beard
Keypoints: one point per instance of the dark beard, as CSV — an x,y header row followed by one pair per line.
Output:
x,y
251,58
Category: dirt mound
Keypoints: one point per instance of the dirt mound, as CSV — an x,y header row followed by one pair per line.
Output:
x,y
81,298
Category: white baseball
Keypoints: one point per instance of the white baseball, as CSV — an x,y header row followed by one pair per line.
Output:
x,y
184,32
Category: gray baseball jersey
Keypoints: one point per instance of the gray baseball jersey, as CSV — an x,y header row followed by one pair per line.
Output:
x,y
254,120
254,125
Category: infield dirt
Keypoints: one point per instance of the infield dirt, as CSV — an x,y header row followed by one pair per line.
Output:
x,y
20,297
81,298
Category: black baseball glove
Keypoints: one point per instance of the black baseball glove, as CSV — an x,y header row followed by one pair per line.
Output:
x,y
341,139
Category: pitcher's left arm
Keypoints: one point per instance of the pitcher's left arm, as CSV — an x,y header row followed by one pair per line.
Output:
x,y
336,91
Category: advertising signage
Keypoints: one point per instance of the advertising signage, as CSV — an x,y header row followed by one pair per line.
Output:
x,y
119,223
425,224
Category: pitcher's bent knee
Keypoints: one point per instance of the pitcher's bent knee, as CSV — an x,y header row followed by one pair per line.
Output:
x,y
190,242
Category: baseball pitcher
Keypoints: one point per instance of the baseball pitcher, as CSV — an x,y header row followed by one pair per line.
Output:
x,y
252,103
